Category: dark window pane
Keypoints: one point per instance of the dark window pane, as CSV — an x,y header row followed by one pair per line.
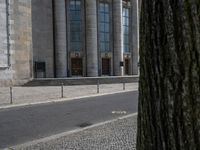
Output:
x,y
107,46
75,15
101,7
101,17
75,26
107,37
126,30
107,18
75,46
127,12
78,5
127,21
102,46
106,27
126,49
75,36
126,39
101,27
102,38
106,8
72,5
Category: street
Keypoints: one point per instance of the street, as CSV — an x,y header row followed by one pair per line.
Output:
x,y
20,125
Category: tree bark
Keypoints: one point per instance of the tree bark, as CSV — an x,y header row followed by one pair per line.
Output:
x,y
169,86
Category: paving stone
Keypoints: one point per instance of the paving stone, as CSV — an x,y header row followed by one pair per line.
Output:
x,y
117,135
41,94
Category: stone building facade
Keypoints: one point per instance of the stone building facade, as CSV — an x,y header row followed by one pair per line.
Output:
x,y
67,38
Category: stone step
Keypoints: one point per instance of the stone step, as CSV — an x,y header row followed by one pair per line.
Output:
x,y
81,81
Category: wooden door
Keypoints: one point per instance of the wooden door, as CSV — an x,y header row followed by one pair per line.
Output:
x,y
105,66
76,67
126,67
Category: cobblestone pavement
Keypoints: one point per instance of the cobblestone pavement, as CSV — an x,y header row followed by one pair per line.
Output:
x,y
117,135
41,94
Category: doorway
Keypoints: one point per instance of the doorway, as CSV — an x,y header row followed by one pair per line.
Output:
x,y
76,67
126,70
106,66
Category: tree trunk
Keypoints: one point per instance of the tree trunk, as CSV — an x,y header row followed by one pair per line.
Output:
x,y
169,86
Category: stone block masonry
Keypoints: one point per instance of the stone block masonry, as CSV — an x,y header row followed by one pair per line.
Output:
x,y
20,42
3,35
5,73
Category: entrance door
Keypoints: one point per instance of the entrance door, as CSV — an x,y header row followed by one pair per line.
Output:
x,y
76,67
126,67
105,66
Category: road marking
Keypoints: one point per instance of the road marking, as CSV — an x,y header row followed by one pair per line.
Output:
x,y
57,136
119,112
63,99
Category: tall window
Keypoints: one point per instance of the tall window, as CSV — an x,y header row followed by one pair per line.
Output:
x,y
75,25
104,27
126,28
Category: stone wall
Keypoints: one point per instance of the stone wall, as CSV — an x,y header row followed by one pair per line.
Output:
x,y
20,41
21,35
5,72
42,32
3,35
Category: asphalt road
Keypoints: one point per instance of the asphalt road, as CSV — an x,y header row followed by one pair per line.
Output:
x,y
23,124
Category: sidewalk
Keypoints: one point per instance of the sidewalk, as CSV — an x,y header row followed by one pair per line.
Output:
x,y
119,134
27,95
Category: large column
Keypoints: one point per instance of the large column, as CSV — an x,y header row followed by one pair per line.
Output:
x,y
118,37
91,38
60,38
135,36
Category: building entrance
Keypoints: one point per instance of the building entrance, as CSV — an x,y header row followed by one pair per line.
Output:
x,y
76,67
126,70
105,66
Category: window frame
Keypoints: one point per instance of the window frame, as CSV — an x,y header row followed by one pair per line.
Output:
x,y
79,34
126,43
106,23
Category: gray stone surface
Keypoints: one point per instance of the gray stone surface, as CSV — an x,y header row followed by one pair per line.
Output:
x,y
28,95
91,38
117,135
118,37
3,35
5,74
20,41
42,32
135,36
60,38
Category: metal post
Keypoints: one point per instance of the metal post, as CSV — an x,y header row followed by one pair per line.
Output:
x,y
11,95
62,91
124,86
97,86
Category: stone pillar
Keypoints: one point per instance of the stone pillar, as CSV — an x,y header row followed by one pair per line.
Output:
x,y
135,36
60,38
42,35
20,23
118,37
91,38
